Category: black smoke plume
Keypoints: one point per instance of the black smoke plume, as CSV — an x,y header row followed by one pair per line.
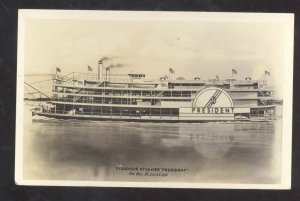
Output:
x,y
115,66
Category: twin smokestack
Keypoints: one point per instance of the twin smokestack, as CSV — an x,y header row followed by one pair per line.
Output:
x,y
107,69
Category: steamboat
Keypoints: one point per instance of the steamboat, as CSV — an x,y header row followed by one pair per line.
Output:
x,y
133,97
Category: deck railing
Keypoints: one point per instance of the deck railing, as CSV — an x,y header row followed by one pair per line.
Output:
x,y
124,78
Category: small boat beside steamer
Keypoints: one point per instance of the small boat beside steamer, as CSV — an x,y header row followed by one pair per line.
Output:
x,y
133,97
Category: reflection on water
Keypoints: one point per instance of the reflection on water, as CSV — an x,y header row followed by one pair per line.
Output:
x,y
211,152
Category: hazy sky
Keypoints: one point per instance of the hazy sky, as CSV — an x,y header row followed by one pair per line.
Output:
x,y
195,48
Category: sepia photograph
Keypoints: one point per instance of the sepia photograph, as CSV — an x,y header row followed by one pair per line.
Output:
x,y
154,99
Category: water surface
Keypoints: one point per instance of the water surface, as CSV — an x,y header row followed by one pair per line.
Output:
x,y
209,152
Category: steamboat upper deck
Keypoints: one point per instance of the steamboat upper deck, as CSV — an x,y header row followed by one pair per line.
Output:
x,y
134,96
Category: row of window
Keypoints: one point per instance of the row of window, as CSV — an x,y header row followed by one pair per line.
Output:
x,y
94,110
107,100
127,93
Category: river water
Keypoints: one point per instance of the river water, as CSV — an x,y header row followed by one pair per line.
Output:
x,y
109,151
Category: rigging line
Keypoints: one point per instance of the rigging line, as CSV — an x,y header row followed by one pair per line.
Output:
x,y
36,90
34,75
44,75
50,74
40,81
67,75
29,93
27,90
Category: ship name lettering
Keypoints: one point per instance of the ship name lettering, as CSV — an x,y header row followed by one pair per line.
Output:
x,y
212,110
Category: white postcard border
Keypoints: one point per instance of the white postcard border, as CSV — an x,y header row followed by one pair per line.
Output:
x,y
287,19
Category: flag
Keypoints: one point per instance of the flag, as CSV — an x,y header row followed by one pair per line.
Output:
x,y
90,68
171,70
162,78
234,71
267,72
57,69
217,77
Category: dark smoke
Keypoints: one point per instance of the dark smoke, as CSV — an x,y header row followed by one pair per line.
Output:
x,y
104,58
115,66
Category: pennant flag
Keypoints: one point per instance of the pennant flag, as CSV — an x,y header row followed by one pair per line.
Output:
x,y
90,68
234,71
217,77
162,78
267,72
171,70
57,69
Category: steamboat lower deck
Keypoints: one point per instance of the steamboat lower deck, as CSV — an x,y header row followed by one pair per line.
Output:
x,y
162,114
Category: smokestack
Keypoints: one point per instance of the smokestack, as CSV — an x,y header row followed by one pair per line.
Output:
x,y
107,70
106,73
100,70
